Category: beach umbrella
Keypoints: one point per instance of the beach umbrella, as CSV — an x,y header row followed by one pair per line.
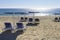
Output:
x,y
33,12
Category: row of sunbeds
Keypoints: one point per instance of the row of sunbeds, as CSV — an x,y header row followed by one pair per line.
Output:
x,y
24,19
9,26
20,26
31,21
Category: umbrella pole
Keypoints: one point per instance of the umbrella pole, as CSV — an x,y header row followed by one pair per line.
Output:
x,y
33,18
13,23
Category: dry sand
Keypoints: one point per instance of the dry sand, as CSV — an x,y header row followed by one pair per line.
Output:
x,y
46,30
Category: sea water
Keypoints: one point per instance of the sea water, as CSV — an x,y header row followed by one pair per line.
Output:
x,y
20,14
32,14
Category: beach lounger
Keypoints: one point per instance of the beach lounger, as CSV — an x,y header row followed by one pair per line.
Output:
x,y
56,19
20,26
23,19
31,24
30,19
8,26
26,18
59,19
36,20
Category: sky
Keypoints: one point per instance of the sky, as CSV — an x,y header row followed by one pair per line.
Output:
x,y
30,4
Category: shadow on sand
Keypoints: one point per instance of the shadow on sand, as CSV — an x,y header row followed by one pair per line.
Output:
x,y
7,35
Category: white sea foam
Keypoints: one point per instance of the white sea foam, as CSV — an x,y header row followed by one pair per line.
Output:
x,y
40,14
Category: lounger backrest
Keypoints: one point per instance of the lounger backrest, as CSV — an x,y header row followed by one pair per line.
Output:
x,y
8,25
30,19
59,18
36,19
25,18
22,18
56,18
19,25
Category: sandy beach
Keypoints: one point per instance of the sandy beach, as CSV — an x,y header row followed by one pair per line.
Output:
x,y
46,30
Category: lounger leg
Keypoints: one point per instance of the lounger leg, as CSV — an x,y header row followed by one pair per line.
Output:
x,y
13,31
0,32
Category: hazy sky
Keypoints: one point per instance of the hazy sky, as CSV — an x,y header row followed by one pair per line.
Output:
x,y
29,3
